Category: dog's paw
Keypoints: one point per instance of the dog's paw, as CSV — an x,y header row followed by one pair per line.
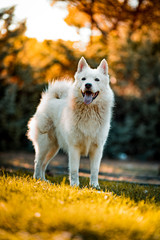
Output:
x,y
48,181
74,185
74,180
95,186
37,177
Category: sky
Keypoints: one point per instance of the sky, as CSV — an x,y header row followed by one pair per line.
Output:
x,y
44,21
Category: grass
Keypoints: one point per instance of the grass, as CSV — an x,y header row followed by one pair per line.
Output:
x,y
31,209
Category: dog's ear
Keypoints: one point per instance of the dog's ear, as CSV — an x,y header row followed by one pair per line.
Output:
x,y
82,65
103,67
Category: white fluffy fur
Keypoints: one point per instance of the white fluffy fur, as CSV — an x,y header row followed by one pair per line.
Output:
x,y
63,120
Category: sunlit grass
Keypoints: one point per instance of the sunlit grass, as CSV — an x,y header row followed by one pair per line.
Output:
x,y
31,209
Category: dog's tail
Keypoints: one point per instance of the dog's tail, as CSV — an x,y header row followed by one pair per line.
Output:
x,y
58,89
40,123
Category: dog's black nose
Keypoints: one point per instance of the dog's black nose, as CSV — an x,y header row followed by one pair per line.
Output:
x,y
88,85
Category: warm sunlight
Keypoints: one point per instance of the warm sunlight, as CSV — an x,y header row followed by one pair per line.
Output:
x,y
79,83
45,22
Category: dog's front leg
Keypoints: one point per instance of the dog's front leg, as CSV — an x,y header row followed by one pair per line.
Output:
x,y
95,159
74,158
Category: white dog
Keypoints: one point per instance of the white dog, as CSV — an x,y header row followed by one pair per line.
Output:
x,y
74,117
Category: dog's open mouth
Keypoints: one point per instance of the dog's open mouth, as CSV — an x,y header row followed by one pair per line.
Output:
x,y
89,96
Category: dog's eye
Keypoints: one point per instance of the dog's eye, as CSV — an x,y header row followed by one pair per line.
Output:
x,y
83,79
97,79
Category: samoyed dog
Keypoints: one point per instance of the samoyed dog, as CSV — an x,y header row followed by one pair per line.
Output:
x,y
73,116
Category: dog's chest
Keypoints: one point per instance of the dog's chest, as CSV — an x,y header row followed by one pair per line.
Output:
x,y
88,122
89,128
84,145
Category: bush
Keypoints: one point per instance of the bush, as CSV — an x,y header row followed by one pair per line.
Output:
x,y
134,129
17,105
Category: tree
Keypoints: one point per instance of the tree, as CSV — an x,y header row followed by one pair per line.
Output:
x,y
15,83
108,15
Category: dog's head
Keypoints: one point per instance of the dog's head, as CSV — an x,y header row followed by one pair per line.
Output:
x,y
91,83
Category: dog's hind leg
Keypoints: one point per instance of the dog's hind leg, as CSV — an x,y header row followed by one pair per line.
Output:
x,y
53,149
50,155
41,149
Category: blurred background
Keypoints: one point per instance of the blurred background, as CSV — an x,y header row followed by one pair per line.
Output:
x,y
42,40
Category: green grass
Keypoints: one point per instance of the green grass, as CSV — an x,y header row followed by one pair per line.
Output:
x,y
31,209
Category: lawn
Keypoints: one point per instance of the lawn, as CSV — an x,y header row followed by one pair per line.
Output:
x,y
31,209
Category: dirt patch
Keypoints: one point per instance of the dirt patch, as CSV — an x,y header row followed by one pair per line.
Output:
x,y
115,170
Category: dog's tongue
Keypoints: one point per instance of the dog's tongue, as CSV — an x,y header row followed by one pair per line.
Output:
x,y
88,98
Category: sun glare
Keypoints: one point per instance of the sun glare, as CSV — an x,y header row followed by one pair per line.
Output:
x,y
44,21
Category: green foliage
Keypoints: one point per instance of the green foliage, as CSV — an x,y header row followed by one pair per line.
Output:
x,y
31,209
135,127
16,106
